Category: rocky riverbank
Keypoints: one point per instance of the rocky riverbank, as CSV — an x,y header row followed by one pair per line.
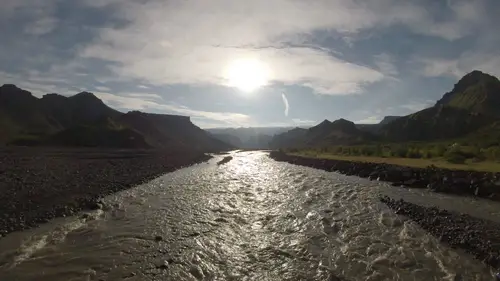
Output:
x,y
472,183
39,184
478,237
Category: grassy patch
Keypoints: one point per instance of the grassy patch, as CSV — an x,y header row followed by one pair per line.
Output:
x,y
485,166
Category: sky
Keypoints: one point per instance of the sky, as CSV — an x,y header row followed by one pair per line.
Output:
x,y
232,63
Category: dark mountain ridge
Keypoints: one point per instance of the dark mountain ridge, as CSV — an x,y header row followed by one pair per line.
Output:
x,y
477,92
338,132
85,120
247,137
473,103
469,110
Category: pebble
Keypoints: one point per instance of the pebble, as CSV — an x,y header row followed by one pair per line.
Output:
x,y
64,181
478,237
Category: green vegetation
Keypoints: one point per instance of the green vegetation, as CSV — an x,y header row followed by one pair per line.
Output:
x,y
457,155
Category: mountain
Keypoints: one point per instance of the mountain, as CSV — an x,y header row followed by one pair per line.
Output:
x,y
20,113
435,123
474,102
487,136
227,138
252,137
164,131
292,138
476,92
84,120
375,128
338,132
388,119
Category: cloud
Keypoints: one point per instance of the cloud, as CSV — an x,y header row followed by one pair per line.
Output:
x,y
415,106
176,47
145,96
37,16
102,89
190,52
285,103
468,61
386,64
302,122
303,66
41,26
133,103
439,67
370,120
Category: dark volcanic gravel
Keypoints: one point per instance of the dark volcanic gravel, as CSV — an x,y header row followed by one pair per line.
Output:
x,y
478,237
37,184
471,183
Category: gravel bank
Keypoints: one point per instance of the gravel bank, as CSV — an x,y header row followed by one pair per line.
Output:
x,y
470,183
478,237
37,184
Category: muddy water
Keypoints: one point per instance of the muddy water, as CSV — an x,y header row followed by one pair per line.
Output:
x,y
249,219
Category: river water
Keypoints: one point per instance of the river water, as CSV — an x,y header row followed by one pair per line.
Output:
x,y
250,219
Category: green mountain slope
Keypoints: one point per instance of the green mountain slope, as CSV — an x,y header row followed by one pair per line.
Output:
x,y
477,92
435,123
474,102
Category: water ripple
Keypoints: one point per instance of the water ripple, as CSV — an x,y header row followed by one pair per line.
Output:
x,y
250,219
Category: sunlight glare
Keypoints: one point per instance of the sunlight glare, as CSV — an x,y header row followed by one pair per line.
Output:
x,y
246,74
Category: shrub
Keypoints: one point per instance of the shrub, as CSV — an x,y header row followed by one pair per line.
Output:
x,y
455,156
492,153
440,150
427,154
339,150
401,152
413,153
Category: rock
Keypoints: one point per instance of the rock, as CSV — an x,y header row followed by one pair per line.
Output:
x,y
225,160
478,237
158,238
161,264
62,182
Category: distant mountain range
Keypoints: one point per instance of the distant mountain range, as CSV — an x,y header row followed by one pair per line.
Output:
x,y
470,110
84,120
252,138
340,132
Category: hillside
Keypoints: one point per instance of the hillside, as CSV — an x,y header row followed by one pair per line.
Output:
x,y
227,138
338,132
84,120
474,102
470,111
375,128
476,92
252,138
164,131
435,123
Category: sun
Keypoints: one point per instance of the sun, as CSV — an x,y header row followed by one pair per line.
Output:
x,y
246,74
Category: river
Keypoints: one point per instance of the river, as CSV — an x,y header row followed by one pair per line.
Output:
x,y
250,219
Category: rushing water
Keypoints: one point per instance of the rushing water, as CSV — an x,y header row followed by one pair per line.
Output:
x,y
250,219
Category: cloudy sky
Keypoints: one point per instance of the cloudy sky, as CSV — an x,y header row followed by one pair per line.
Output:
x,y
250,63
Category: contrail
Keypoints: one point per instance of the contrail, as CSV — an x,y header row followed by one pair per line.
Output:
x,y
285,102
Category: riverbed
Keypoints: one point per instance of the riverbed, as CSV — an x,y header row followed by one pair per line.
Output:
x,y
249,219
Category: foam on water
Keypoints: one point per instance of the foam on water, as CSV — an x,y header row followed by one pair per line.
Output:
x,y
56,234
